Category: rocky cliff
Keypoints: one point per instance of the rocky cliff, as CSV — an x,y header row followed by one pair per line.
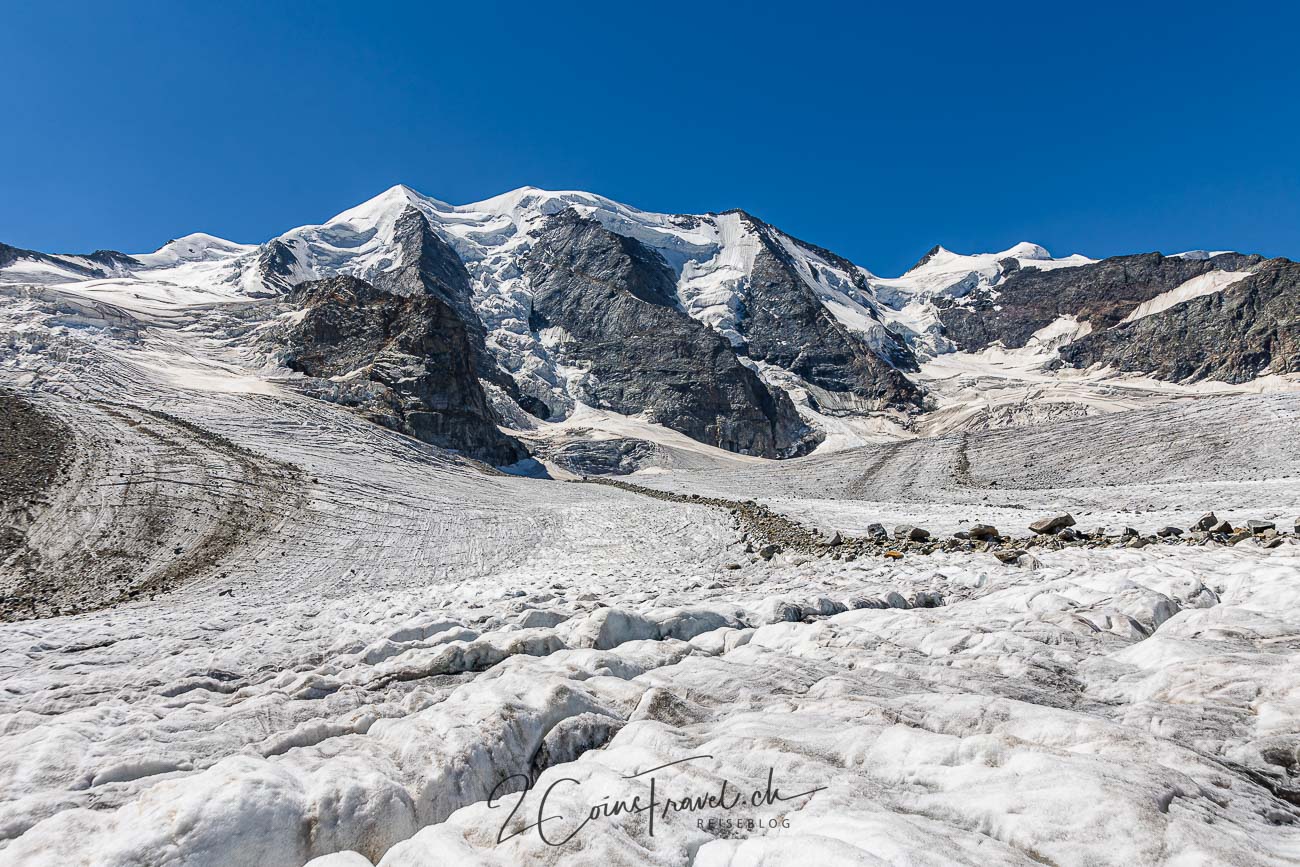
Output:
x,y
402,360
606,305
1248,329
787,325
1100,294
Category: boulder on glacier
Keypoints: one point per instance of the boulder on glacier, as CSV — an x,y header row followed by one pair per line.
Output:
x,y
1053,524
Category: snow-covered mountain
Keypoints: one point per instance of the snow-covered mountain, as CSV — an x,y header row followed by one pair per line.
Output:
x,y
809,340
713,258
789,314
944,277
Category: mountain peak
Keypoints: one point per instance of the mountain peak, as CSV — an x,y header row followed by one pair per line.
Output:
x,y
388,205
929,255
1026,250
193,247
940,258
535,199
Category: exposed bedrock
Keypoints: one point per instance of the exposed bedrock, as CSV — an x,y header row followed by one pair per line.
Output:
x,y
787,325
402,360
607,306
1250,328
1100,294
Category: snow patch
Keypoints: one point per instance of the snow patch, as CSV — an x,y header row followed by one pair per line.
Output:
x,y
1204,284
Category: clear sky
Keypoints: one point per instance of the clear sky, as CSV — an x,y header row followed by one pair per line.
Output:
x,y
876,130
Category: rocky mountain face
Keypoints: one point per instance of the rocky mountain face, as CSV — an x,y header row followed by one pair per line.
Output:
x,y
788,326
431,266
449,321
1100,294
1249,329
403,361
607,306
276,264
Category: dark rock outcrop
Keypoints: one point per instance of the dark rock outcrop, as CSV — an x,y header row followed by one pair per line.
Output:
x,y
1250,328
612,302
785,324
275,264
33,446
609,457
432,267
1101,294
934,251
9,255
404,362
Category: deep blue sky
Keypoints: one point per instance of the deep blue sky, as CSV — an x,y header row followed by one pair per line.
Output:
x,y
876,132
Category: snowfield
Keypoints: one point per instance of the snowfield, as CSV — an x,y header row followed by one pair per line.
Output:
x,y
271,633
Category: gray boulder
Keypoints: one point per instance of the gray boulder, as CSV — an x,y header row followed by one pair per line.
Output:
x,y
1206,522
1017,557
1052,525
908,533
